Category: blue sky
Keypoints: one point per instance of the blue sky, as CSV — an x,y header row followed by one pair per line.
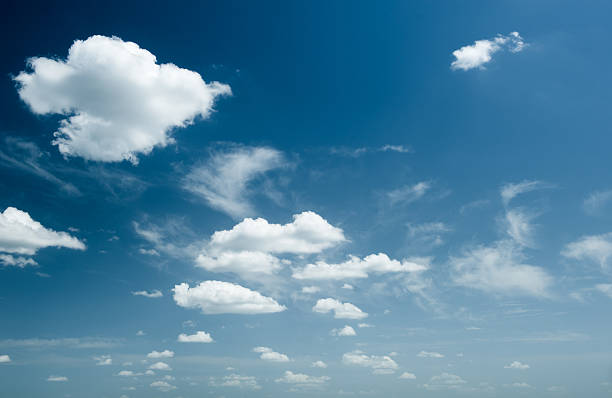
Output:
x,y
232,199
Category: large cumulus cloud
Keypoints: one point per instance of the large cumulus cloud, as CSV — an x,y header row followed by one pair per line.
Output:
x,y
118,101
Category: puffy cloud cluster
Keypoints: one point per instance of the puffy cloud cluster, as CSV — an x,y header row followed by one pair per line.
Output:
x,y
163,385
355,267
268,354
301,379
445,381
249,248
160,354
379,364
481,52
235,380
341,310
118,101
160,366
241,263
216,297
308,233
20,234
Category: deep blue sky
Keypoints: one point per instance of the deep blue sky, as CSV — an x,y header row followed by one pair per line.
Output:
x,y
369,127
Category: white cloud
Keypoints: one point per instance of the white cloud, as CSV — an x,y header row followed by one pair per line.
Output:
x,y
163,385
103,360
428,354
319,364
518,385
379,364
247,248
396,148
216,297
595,248
83,342
301,379
407,376
427,234
355,267
20,234
347,286
308,233
481,52
223,182
117,100
198,337
345,331
605,288
57,378
153,294
234,380
127,373
365,325
242,263
499,269
596,202
268,354
517,365
140,333
5,359
149,252
341,310
518,226
19,262
310,289
512,190
160,354
444,381
160,366
409,193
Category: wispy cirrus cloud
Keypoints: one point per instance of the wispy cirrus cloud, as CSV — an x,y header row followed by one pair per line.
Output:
x,y
225,180
596,202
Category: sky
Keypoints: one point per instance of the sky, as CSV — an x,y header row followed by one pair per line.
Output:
x,y
263,199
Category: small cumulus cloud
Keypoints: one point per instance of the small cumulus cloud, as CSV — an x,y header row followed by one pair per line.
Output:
x,y
341,310
481,52
517,365
198,337
345,331
268,354
429,354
